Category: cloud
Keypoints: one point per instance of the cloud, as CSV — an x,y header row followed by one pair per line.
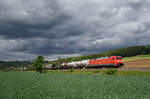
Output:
x,y
71,28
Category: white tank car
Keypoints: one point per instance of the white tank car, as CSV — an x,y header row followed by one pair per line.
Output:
x,y
63,64
78,63
84,62
74,64
71,64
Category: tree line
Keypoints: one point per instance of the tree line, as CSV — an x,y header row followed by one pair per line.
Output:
x,y
17,64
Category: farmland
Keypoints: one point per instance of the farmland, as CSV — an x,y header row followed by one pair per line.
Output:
x,y
139,61
32,85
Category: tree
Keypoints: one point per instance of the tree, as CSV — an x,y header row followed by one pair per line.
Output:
x,y
39,63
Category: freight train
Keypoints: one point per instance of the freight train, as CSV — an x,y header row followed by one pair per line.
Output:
x,y
112,61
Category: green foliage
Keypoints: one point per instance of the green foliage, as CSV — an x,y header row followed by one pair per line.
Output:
x,y
44,70
109,71
96,71
32,85
15,64
72,70
133,73
137,57
39,63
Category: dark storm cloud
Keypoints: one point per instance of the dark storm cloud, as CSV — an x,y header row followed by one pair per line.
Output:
x,y
71,28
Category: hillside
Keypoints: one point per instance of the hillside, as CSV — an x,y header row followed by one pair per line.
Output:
x,y
16,64
124,52
138,57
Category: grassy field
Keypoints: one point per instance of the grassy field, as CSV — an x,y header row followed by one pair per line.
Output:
x,y
137,57
32,85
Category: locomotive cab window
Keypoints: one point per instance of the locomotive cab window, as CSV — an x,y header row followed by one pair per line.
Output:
x,y
119,58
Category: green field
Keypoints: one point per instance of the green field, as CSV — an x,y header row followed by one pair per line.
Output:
x,y
33,85
137,57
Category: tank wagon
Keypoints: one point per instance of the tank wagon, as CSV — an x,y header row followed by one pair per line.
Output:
x,y
112,61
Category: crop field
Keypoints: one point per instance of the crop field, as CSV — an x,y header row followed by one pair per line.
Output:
x,y
32,85
139,61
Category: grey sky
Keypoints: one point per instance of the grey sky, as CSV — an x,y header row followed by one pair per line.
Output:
x,y
29,28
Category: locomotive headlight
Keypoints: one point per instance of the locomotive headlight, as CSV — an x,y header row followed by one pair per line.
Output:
x,y
118,61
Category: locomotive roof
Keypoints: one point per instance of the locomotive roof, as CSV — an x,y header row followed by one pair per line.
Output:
x,y
102,57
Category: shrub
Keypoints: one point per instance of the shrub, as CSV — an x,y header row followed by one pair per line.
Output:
x,y
72,70
109,71
44,70
96,71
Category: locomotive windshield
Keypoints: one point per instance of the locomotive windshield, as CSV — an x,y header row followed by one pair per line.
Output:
x,y
118,58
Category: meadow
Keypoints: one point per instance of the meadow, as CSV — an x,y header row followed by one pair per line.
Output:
x,y
33,85
137,57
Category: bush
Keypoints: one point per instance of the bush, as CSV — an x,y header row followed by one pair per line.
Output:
x,y
72,70
96,71
109,71
44,71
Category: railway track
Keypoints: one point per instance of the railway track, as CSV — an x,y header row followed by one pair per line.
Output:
x,y
121,69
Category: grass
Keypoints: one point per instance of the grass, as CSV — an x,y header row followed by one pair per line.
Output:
x,y
32,85
104,72
137,57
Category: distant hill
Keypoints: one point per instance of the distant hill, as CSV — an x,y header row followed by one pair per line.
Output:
x,y
15,64
10,64
124,52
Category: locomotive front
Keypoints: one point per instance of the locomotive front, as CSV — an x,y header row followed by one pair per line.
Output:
x,y
119,61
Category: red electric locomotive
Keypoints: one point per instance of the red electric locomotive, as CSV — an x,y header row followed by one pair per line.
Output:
x,y
106,61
